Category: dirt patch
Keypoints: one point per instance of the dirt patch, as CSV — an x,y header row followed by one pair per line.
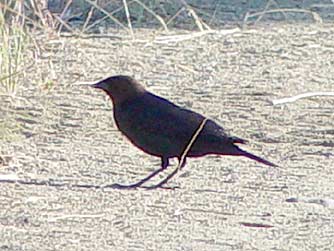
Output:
x,y
66,135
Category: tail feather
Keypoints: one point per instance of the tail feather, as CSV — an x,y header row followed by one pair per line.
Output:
x,y
237,140
254,157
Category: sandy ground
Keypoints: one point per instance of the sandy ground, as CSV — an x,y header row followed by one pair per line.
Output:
x,y
66,137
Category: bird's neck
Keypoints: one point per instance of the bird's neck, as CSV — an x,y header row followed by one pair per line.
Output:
x,y
122,99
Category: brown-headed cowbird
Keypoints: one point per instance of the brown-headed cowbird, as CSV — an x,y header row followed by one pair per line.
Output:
x,y
163,129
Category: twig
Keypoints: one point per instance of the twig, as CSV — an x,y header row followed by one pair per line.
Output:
x,y
127,13
178,38
62,22
42,11
160,19
269,3
213,16
175,15
200,24
190,144
315,15
300,96
155,173
196,18
63,14
105,17
19,6
183,157
66,7
6,8
107,13
89,16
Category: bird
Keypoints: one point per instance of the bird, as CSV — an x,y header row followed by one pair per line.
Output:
x,y
163,129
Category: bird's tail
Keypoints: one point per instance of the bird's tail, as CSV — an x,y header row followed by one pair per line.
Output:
x,y
241,152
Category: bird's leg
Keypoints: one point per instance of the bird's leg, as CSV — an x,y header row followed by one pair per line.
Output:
x,y
171,175
164,181
164,165
164,162
183,162
182,158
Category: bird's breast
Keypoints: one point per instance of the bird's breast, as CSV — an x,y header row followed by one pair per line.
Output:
x,y
145,131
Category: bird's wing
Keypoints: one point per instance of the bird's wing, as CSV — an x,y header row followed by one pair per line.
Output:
x,y
166,119
215,132
150,119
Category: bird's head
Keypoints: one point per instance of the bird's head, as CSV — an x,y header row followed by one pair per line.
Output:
x,y
120,88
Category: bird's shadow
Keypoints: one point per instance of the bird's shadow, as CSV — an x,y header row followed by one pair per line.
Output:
x,y
134,187
57,183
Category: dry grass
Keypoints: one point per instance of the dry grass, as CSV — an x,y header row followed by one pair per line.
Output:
x,y
18,18
12,54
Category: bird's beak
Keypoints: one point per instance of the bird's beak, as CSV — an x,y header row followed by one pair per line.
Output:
x,y
97,85
100,84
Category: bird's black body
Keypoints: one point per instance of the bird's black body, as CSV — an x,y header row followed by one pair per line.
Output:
x,y
163,129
